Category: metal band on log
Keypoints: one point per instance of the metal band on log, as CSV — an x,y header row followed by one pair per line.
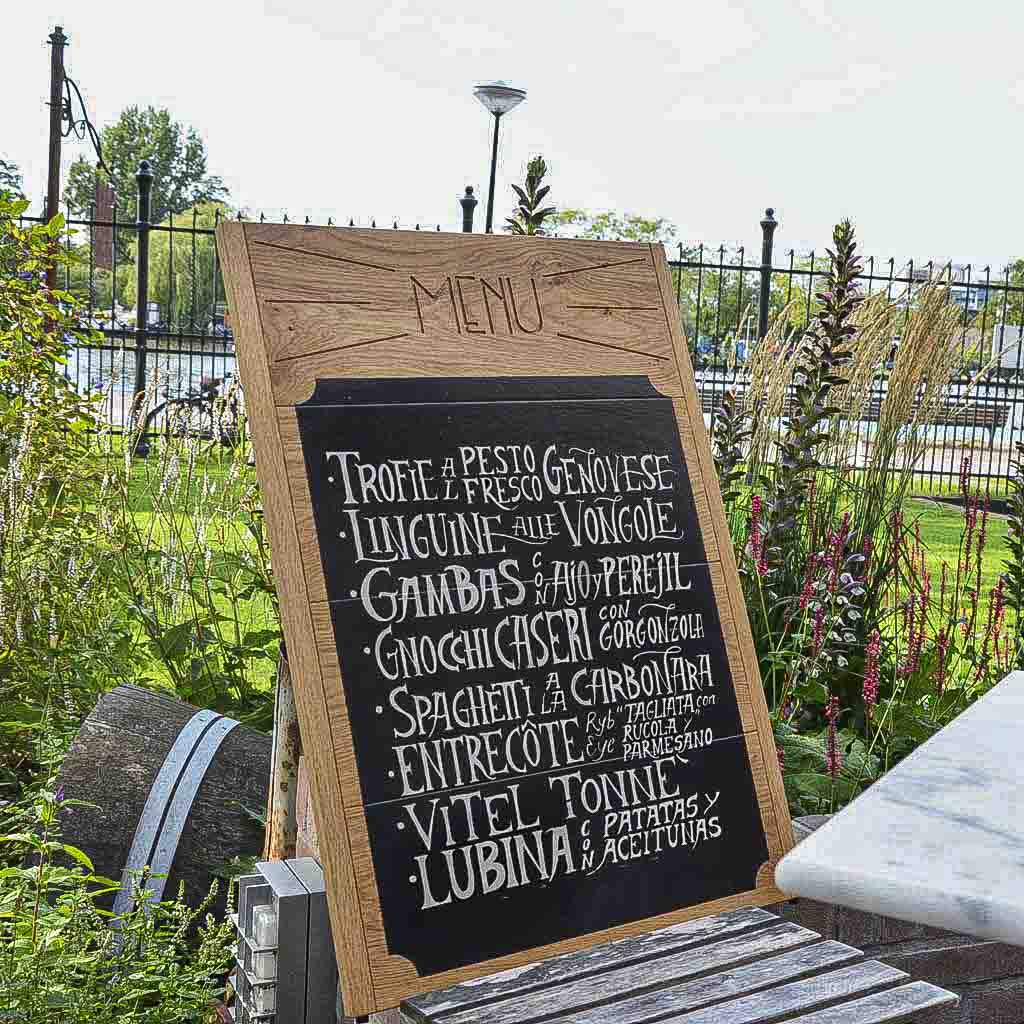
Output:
x,y
173,788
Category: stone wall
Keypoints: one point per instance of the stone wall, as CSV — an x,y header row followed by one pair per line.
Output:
x,y
989,976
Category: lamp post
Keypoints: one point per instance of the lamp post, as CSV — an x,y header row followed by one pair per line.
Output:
x,y
499,99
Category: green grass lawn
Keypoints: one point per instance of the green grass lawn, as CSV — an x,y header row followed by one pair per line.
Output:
x,y
167,520
941,533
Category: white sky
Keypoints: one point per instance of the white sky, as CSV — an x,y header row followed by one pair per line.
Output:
x,y
905,115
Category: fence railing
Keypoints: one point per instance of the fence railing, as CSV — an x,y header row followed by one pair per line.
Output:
x,y
154,291
727,302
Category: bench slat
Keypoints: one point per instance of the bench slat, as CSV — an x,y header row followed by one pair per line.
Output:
x,y
742,967
890,1007
433,1006
984,415
781,1003
611,985
716,988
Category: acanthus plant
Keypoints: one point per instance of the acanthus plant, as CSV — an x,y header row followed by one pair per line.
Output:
x,y
730,434
803,566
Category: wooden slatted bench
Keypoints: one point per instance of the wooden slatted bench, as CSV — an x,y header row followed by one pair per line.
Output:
x,y
711,397
742,967
978,414
981,415
747,966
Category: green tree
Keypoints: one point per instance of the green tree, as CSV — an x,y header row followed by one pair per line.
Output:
x,y
184,275
1004,303
611,226
176,152
96,288
10,178
719,302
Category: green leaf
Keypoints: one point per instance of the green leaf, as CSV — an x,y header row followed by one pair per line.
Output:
x,y
22,837
176,642
77,855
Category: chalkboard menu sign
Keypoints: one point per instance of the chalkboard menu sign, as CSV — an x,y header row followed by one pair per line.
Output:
x,y
522,664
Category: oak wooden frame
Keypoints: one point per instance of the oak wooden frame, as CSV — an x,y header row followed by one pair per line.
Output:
x,y
309,303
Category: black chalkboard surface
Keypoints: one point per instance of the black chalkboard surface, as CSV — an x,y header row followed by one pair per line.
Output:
x,y
545,727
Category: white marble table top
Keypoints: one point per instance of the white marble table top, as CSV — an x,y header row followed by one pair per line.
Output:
x,y
939,839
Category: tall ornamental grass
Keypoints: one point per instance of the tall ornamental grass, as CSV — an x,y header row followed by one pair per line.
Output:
x,y
864,649
190,555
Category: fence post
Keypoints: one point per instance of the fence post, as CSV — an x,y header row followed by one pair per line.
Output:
x,y
768,226
468,203
144,179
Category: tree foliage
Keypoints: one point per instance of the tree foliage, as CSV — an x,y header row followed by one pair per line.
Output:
x,y
10,178
176,152
611,226
184,275
1004,305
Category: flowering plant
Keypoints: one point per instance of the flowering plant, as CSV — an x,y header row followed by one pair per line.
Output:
x,y
867,643
62,963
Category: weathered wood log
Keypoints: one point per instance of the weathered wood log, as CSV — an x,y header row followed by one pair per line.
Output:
x,y
284,767
171,786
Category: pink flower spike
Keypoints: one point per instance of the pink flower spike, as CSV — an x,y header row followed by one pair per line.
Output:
x,y
942,644
965,475
819,630
833,755
872,673
756,548
807,592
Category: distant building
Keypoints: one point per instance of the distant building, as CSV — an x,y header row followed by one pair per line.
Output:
x,y
964,289
1006,346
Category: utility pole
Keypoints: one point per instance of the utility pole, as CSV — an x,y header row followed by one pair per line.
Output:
x,y
57,43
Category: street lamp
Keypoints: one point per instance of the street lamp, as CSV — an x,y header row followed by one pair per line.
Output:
x,y
499,99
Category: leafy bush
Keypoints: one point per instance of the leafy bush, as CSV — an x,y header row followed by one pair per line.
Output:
x,y
62,963
63,637
79,574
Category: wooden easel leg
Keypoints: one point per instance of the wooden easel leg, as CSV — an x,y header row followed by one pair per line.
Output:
x,y
291,822
284,769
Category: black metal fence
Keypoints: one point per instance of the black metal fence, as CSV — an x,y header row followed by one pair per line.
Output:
x,y
727,302
154,291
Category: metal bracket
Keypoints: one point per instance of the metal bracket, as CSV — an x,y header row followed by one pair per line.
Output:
x,y
168,805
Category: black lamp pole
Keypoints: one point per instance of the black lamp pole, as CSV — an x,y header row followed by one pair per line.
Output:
x,y
499,98
494,168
